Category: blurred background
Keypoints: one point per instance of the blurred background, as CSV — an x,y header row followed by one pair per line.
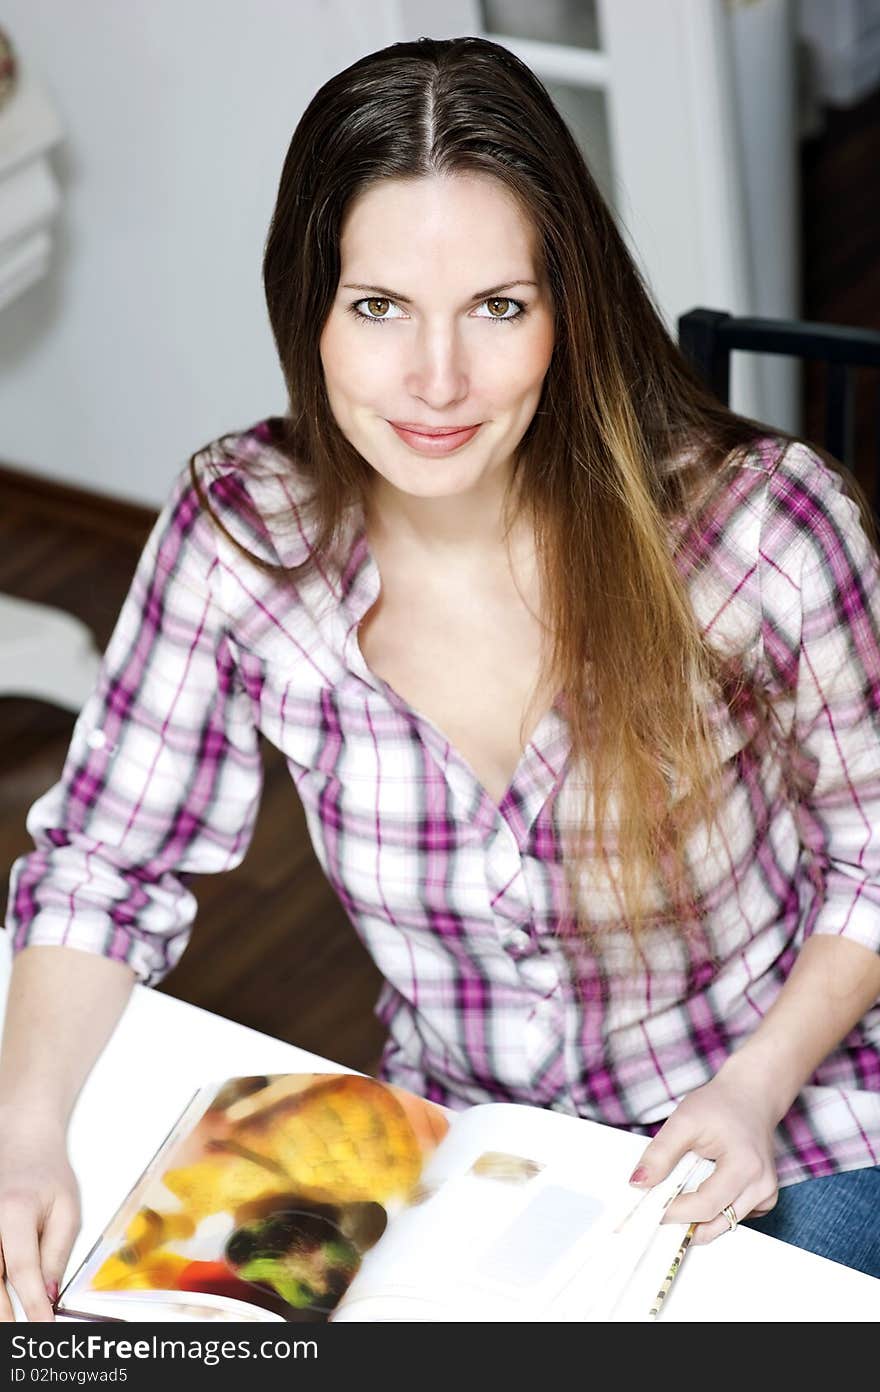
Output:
x,y
140,149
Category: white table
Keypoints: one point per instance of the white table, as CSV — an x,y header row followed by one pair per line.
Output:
x,y
163,1050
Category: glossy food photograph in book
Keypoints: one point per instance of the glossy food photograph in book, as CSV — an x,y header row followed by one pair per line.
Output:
x,y
262,1203
319,1197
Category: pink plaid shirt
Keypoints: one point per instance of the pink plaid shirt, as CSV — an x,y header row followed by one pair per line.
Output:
x,y
457,897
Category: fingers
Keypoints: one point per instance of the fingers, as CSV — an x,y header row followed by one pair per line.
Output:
x,y
761,1209
7,1314
719,1123
745,1174
706,1202
21,1261
672,1141
58,1236
720,1224
743,1206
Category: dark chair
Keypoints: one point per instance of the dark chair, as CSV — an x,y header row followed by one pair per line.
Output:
x,y
707,337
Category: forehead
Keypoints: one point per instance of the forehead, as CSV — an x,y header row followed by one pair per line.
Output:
x,y
471,219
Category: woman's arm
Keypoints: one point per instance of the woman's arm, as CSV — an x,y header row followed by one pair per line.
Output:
x,y
61,1009
833,983
820,596
162,779
163,774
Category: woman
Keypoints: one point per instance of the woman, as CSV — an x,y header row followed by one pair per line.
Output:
x,y
577,674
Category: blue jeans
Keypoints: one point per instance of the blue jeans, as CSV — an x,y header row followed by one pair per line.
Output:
x,y
837,1217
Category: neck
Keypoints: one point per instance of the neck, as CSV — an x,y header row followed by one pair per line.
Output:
x,y
470,522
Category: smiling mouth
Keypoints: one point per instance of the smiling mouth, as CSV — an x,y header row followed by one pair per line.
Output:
x,y
435,442
433,432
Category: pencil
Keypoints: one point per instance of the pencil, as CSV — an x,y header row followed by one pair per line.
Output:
x,y
672,1272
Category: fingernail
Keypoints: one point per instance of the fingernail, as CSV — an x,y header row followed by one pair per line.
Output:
x,y
52,1290
638,1176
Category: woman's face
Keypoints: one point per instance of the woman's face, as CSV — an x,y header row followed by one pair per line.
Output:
x,y
413,337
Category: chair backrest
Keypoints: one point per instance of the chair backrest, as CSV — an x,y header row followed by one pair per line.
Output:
x,y
707,337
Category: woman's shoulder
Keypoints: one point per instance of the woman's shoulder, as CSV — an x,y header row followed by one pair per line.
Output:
x,y
806,503
771,498
255,490
777,511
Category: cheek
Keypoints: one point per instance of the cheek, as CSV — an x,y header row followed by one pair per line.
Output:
x,y
542,349
520,374
354,370
333,355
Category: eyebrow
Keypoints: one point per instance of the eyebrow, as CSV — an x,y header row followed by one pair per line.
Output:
x,y
480,295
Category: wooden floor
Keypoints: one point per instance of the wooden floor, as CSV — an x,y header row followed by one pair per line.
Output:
x,y
272,947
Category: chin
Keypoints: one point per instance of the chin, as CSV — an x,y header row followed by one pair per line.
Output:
x,y
432,481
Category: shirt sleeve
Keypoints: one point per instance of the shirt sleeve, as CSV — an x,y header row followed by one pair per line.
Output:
x,y
163,775
822,632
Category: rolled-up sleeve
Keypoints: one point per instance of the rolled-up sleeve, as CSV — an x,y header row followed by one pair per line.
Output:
x,y
823,630
163,775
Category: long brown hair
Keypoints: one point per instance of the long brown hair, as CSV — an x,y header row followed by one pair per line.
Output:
x,y
625,440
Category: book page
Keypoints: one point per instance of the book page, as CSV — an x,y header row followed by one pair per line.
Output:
x,y
261,1203
522,1214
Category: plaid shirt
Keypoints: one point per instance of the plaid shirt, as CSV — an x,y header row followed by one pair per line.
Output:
x,y
456,897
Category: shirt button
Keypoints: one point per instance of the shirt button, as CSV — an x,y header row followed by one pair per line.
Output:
x,y
96,739
515,939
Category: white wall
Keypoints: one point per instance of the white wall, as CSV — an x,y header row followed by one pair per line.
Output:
x,y
150,335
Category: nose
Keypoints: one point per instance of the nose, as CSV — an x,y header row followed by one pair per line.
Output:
x,y
438,374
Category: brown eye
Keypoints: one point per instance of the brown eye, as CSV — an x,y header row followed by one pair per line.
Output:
x,y
505,305
381,314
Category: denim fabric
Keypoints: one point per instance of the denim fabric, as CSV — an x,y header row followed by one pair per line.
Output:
x,y
837,1217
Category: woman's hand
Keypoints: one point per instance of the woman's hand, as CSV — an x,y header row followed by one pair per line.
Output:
x,y
726,1122
39,1210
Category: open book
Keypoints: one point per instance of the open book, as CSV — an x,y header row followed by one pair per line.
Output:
x,y
332,1196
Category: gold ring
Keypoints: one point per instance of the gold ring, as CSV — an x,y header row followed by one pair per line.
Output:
x,y
730,1215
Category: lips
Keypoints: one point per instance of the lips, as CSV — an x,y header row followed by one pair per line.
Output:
x,y
414,428
433,442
